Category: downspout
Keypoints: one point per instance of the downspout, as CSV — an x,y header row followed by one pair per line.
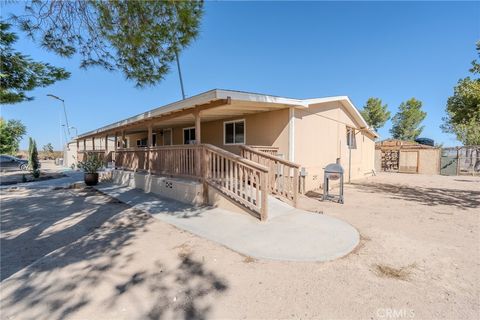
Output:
x,y
291,134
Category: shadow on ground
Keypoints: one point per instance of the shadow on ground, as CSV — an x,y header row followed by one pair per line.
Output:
x,y
461,199
82,240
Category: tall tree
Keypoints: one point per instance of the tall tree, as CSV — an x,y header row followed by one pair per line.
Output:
x,y
20,74
11,132
375,113
406,123
139,38
463,108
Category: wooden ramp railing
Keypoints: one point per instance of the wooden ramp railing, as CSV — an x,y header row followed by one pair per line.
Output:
x,y
283,175
243,180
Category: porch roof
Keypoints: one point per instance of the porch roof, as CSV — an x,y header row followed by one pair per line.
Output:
x,y
220,104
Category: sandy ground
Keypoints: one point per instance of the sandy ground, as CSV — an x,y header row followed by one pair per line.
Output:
x,y
95,258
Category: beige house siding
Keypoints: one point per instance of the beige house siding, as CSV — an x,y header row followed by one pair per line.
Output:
x,y
263,129
320,138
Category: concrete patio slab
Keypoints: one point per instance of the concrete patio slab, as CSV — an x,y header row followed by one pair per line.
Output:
x,y
289,235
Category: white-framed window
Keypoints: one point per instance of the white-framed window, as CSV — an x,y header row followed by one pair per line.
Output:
x,y
234,132
142,142
351,139
189,135
167,137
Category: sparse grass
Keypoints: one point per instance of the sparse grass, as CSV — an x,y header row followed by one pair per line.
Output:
x,y
402,273
249,259
361,245
184,250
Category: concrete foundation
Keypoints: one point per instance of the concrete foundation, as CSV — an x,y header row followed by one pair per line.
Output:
x,y
183,190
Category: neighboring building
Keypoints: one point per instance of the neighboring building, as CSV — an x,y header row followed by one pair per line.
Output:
x,y
406,157
308,133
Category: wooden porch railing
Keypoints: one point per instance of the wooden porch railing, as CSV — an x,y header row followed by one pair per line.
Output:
x,y
283,175
178,161
267,149
81,154
132,159
243,180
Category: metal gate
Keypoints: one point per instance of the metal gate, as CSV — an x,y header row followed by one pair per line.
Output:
x,y
460,161
448,162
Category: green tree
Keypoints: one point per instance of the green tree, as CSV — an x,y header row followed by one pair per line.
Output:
x,y
463,108
139,38
20,74
375,113
48,150
406,123
11,132
33,162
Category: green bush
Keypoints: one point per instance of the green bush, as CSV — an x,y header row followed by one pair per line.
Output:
x,y
33,162
91,164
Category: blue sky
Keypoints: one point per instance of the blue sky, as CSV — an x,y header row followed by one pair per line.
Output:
x,y
393,51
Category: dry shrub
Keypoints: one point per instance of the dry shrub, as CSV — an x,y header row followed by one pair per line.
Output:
x,y
402,273
249,259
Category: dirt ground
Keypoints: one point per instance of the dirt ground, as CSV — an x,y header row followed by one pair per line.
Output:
x,y
77,254
48,170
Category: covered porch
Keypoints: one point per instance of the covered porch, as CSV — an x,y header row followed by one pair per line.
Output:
x,y
236,145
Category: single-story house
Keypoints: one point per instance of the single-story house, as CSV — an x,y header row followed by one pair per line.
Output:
x,y
235,141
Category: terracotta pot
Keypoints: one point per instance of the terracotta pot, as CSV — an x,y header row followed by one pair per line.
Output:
x,y
91,179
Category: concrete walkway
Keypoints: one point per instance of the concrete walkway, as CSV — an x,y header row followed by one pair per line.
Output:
x,y
290,234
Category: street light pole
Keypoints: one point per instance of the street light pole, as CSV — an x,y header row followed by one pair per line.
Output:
x,y
64,111
76,130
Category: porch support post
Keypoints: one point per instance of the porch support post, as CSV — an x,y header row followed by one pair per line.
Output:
x,y
149,144
150,136
84,145
198,132
123,144
78,149
106,151
198,141
116,142
93,143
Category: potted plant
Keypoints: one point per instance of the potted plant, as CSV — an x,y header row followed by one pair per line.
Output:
x,y
90,166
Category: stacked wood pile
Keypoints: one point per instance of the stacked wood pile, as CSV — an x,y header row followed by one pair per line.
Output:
x,y
390,160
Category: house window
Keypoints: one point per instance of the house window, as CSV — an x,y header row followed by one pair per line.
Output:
x,y
351,141
234,132
189,135
142,143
